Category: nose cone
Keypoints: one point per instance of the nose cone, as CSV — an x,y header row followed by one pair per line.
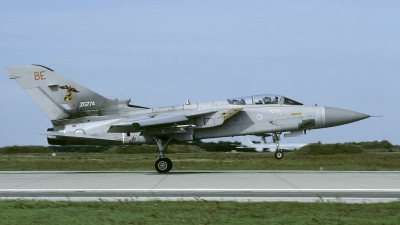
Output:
x,y
336,117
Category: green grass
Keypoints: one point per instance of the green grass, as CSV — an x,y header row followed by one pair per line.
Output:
x,y
200,161
200,212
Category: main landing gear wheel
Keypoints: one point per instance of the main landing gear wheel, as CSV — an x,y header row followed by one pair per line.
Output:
x,y
278,154
163,165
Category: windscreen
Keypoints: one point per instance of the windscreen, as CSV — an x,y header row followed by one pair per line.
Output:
x,y
263,100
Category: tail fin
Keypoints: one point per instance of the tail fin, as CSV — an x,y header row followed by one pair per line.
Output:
x,y
57,96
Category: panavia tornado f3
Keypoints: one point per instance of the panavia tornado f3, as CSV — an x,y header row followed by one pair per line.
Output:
x,y
83,117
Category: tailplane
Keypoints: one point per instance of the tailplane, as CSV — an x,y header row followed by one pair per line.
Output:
x,y
57,96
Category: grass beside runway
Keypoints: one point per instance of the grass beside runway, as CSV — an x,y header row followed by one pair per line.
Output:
x,y
197,212
367,161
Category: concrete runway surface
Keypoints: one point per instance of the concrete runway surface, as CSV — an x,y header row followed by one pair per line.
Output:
x,y
244,186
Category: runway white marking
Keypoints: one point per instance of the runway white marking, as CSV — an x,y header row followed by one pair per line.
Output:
x,y
242,186
207,190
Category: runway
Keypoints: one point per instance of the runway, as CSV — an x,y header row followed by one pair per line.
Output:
x,y
254,186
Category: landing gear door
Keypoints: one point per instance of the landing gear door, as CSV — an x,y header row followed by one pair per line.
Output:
x,y
288,123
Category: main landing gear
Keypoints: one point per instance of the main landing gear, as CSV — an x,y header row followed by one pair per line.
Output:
x,y
163,164
278,151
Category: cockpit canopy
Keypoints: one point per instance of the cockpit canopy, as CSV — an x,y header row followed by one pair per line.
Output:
x,y
263,100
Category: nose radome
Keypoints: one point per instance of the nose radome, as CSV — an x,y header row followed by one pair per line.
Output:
x,y
336,117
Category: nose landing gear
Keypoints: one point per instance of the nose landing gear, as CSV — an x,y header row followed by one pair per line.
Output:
x,y
278,151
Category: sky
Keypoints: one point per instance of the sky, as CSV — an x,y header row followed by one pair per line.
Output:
x,y
343,54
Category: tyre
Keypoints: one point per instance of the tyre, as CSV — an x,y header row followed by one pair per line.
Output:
x,y
278,154
163,165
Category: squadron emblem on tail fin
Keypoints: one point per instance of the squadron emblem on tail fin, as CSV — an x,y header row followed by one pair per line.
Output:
x,y
70,91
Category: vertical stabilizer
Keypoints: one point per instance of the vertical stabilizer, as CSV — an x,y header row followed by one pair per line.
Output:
x,y
56,95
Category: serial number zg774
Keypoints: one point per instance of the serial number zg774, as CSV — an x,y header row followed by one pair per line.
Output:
x,y
87,104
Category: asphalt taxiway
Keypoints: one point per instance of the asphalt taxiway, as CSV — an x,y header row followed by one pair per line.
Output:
x,y
254,186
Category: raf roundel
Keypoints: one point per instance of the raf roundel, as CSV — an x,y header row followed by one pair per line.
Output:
x,y
259,116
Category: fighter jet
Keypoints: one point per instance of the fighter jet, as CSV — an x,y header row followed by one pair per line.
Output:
x,y
271,147
82,117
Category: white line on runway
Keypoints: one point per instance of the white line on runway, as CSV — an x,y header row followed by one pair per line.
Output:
x,y
207,190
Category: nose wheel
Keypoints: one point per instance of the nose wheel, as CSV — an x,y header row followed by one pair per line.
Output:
x,y
278,152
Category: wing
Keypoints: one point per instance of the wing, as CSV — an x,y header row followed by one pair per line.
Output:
x,y
162,121
135,124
